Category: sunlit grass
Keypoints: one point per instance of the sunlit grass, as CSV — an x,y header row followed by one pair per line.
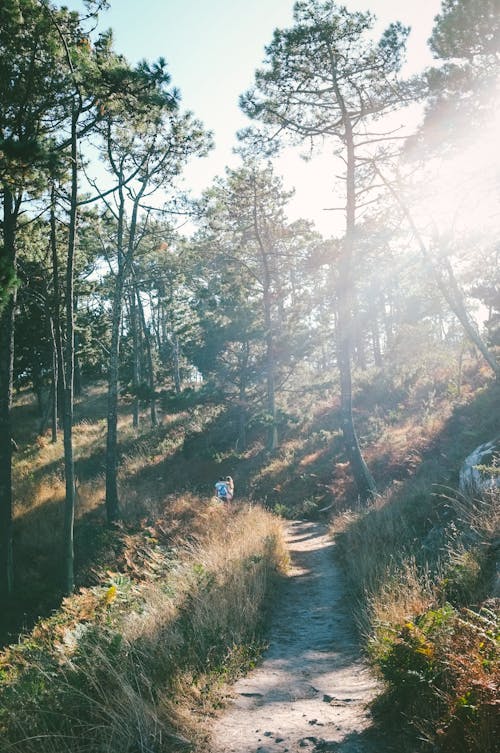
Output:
x,y
141,661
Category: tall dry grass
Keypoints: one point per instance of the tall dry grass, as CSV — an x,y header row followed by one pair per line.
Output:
x,y
135,665
424,573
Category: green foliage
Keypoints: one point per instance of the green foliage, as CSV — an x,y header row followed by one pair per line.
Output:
x,y
300,58
462,575
8,281
443,670
466,28
465,39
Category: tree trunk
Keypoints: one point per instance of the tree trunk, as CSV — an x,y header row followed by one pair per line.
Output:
x,y
362,476
149,357
37,382
135,361
125,258
58,369
242,402
69,466
358,321
7,318
375,330
449,287
77,387
272,440
112,501
54,385
176,364
456,302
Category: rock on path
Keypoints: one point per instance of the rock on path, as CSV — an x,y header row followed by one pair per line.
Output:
x,y
311,690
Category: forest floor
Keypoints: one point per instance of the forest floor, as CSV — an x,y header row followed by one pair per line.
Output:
x,y
313,687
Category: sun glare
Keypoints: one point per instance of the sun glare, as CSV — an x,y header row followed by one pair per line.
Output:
x,y
461,194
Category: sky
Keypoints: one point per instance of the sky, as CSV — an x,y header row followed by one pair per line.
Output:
x,y
213,47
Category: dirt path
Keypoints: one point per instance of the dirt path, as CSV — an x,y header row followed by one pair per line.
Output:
x,y
310,692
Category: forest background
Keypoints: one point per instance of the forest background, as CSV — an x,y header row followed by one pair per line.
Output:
x,y
151,341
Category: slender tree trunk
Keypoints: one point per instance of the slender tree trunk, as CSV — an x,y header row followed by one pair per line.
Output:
x,y
149,357
77,387
155,321
69,466
7,318
456,302
37,382
242,402
388,321
112,501
375,331
135,361
448,286
54,385
176,364
162,316
272,441
362,476
124,264
359,350
59,370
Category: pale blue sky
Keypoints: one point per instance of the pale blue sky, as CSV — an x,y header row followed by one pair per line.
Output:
x,y
213,48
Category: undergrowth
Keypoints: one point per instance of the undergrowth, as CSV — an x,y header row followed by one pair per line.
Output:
x,y
423,571
135,664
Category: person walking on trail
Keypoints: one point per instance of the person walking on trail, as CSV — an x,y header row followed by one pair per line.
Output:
x,y
221,490
230,488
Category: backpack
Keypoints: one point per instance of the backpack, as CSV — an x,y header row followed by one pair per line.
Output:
x,y
221,489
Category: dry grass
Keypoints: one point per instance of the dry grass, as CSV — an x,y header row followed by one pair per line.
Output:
x,y
424,593
135,665
404,593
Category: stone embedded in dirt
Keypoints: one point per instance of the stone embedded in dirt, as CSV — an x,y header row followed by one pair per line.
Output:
x,y
268,734
338,701
251,695
306,741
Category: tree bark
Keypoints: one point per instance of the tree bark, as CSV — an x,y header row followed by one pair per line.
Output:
x,y
364,480
272,440
59,369
77,387
375,330
135,361
242,402
125,257
149,357
54,385
176,364
112,502
69,466
7,319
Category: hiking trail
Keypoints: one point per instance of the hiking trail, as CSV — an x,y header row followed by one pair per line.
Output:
x,y
311,690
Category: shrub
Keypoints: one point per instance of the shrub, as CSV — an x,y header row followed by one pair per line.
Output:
x,y
443,671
